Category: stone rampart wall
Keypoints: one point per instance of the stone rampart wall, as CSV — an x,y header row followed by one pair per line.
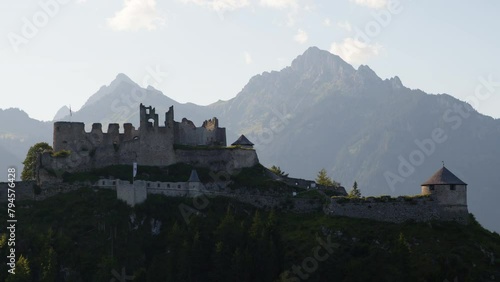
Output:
x,y
398,210
228,160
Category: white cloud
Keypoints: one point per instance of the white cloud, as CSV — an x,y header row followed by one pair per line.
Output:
x,y
248,58
345,25
354,51
291,5
137,14
220,5
375,4
279,4
327,22
301,36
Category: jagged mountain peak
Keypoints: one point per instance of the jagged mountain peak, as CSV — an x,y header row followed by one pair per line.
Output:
x,y
368,75
315,58
366,70
396,82
61,113
121,80
121,77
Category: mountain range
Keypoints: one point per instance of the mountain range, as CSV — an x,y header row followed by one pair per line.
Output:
x,y
319,112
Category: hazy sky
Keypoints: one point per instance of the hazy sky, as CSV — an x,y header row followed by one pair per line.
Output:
x,y
59,52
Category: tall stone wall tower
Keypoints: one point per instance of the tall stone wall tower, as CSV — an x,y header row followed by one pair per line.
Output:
x,y
156,142
68,135
450,192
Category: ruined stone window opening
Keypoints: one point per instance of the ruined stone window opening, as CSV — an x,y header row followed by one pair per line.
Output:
x,y
65,142
149,185
151,121
431,187
168,185
136,137
452,187
114,182
179,186
158,185
103,182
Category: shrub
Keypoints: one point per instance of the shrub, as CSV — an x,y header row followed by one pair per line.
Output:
x,y
61,154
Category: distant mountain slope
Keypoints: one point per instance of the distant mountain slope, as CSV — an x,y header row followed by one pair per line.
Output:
x,y
17,133
8,160
119,103
63,112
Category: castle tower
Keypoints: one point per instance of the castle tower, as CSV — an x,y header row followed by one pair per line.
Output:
x,y
243,142
68,135
449,191
148,118
169,118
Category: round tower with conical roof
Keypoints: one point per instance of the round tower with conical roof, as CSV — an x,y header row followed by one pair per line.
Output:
x,y
450,192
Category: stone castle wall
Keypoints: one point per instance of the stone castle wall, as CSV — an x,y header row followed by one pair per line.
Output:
x,y
208,134
132,194
398,210
72,136
228,160
136,193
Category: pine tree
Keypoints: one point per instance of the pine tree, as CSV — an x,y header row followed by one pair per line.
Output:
x,y
355,193
48,265
323,179
256,227
23,271
277,170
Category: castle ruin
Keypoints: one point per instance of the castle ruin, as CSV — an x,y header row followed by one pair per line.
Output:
x,y
151,144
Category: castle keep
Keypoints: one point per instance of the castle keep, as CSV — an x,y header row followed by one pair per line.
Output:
x,y
151,144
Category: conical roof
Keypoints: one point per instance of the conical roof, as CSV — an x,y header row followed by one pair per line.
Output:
x,y
242,141
194,176
444,177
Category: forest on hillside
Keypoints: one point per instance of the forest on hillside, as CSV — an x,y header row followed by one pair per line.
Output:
x,y
88,235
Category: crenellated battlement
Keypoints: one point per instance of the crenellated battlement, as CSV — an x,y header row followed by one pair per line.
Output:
x,y
73,137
